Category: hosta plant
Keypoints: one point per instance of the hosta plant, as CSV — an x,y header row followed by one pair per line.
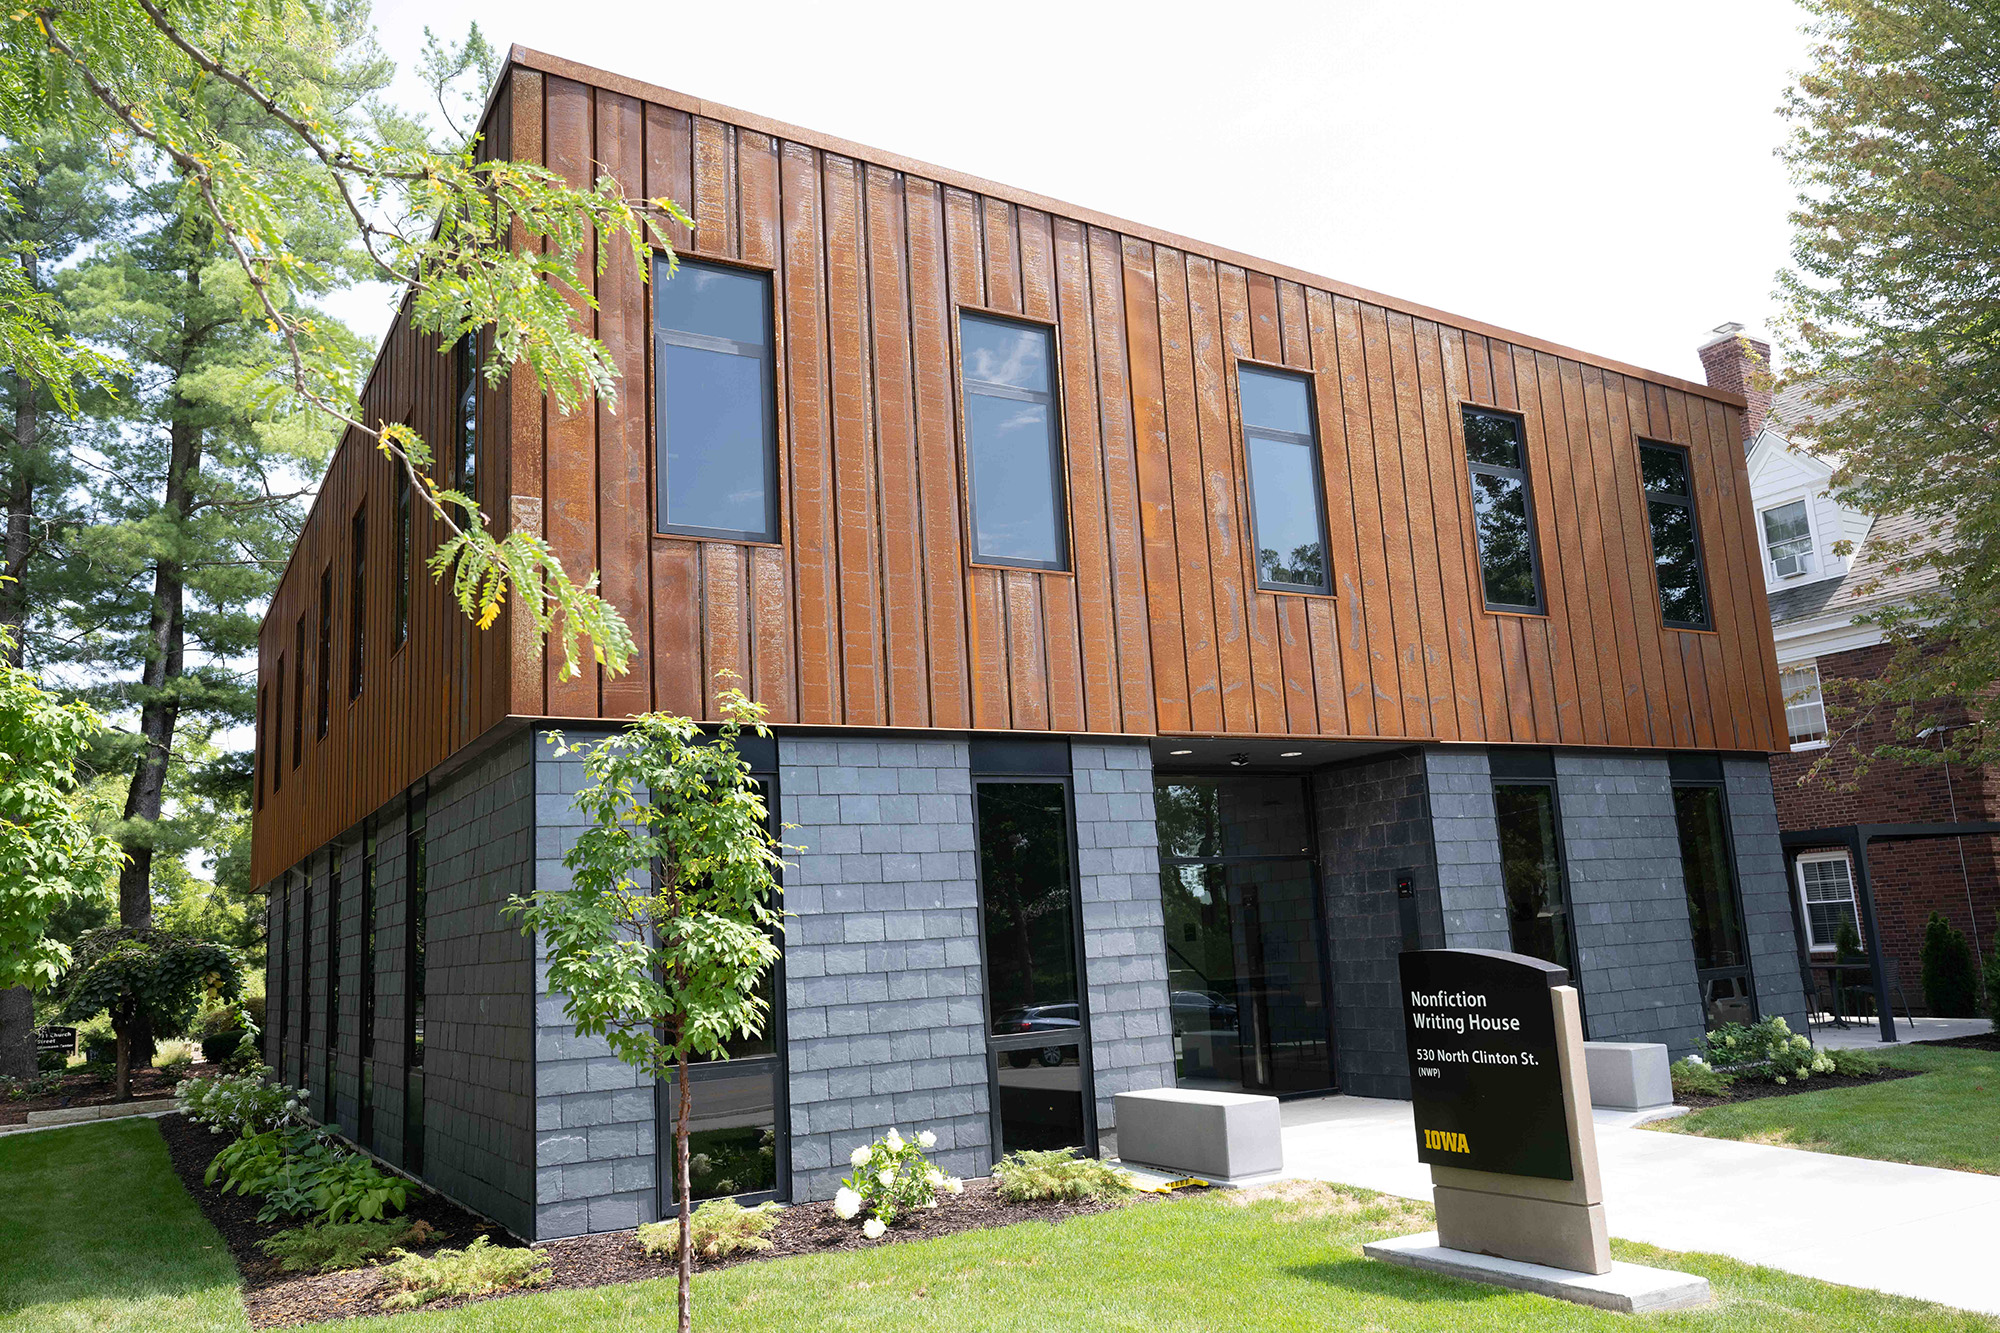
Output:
x,y
892,1177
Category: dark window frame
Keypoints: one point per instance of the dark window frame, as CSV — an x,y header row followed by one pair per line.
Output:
x,y
357,602
299,690
325,682
465,448
1523,474
405,535
274,723
1687,501
1748,969
769,369
329,1096
416,930
997,1046
1525,772
364,1129
1311,440
1058,438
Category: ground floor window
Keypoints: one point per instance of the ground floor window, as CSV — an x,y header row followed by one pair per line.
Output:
x,y
1531,869
1035,1013
1826,883
1245,972
1715,908
732,1130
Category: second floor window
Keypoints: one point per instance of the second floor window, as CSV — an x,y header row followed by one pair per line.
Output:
x,y
325,648
299,690
357,605
1805,709
468,415
1012,442
399,629
1827,884
1788,540
1498,463
1285,510
716,413
1663,468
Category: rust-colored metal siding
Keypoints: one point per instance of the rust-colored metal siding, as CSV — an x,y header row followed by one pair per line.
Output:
x,y
870,611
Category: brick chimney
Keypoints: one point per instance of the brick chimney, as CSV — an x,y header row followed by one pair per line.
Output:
x,y
1740,365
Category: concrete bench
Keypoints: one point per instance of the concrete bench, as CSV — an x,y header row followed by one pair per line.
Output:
x,y
1628,1075
1219,1136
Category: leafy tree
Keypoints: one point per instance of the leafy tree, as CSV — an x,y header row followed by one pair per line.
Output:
x,y
1892,319
1951,973
48,853
660,942
148,981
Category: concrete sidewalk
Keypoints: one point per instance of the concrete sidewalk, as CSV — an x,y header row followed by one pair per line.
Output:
x,y
1866,1033
1912,1230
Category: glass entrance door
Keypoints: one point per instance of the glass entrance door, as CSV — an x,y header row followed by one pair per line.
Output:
x,y
1245,971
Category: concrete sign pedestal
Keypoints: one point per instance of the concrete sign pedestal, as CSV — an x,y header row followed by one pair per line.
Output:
x,y
1628,1288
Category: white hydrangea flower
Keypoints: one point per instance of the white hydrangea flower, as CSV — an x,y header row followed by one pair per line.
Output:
x,y
873,1228
894,1142
846,1204
934,1177
927,1140
885,1177
860,1156
699,1163
953,1185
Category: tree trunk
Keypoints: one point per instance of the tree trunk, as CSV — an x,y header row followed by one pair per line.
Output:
x,y
17,1033
19,501
686,1190
121,1083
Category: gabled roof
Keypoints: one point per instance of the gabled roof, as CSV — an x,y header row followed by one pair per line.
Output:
x,y
1879,576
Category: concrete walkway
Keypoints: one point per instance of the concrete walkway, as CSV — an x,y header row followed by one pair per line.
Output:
x,y
1866,1033
1912,1230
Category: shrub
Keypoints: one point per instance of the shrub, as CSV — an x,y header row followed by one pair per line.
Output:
x,y
51,1062
719,1228
891,1177
1026,1177
476,1270
299,1171
1950,971
1694,1076
221,1047
349,1188
174,1062
323,1247
239,1103
1767,1050
1853,1064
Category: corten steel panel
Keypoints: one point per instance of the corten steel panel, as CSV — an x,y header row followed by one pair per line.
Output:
x,y
870,610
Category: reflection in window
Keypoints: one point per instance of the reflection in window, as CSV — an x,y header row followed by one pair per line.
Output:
x,y
1041,1099
1284,479
1715,913
1531,870
467,481
298,690
717,407
325,647
399,628
1827,884
1497,462
732,1129
1788,540
1676,546
357,603
1015,453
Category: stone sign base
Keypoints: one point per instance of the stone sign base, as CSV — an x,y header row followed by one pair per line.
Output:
x,y
1627,1288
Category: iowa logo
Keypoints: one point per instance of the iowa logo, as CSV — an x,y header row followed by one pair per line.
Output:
x,y
1438,1140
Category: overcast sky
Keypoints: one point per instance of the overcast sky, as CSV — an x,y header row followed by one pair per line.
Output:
x,y
1598,174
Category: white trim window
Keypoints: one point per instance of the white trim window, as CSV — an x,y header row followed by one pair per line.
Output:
x,y
1805,707
1826,884
1788,540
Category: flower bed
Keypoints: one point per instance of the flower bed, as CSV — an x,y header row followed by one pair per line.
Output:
x,y
1749,1090
150,1088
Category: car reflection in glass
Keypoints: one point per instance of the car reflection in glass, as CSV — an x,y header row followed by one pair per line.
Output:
x,y
1202,1011
1037,1018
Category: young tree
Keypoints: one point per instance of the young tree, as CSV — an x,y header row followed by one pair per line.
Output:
x,y
1891,306
148,981
659,943
48,853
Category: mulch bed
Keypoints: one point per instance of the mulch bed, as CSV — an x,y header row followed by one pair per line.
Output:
x,y
1753,1090
88,1090
1978,1041
275,1299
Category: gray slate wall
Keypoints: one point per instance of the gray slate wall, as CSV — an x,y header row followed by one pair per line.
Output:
x,y
1766,890
1124,946
1471,897
885,1007
1634,946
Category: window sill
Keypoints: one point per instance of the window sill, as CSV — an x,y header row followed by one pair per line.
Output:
x,y
710,537
1020,569
1808,745
1517,612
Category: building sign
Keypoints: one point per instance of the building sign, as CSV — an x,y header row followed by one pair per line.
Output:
x,y
1485,1075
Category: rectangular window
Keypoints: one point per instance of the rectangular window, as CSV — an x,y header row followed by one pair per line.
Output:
x,y
415,930
1715,910
275,751
299,690
1531,870
1663,468
1028,909
1788,542
261,757
1286,513
364,1133
1497,460
399,630
279,1003
305,972
357,598
716,403
1013,443
1826,882
329,1100
325,682
467,480
1805,707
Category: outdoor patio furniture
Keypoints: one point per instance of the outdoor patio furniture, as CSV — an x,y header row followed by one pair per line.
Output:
x,y
1221,1136
1628,1075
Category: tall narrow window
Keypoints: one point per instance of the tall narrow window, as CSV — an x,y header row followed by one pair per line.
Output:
x,y
415,929
468,415
1285,508
325,683
1826,882
1013,443
329,1098
299,690
1497,461
264,730
1034,1000
1805,706
364,1132
278,728
357,594
279,1004
305,972
716,414
1715,910
1676,543
1788,542
399,629
1532,871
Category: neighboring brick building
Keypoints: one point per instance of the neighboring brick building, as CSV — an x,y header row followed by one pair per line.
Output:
x,y
1816,596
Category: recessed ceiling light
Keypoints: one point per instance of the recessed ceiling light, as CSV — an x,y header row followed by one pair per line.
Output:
x,y
1291,754
1239,761
1180,752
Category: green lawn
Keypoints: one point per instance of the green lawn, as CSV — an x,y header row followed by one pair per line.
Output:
x,y
98,1235
1948,1117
